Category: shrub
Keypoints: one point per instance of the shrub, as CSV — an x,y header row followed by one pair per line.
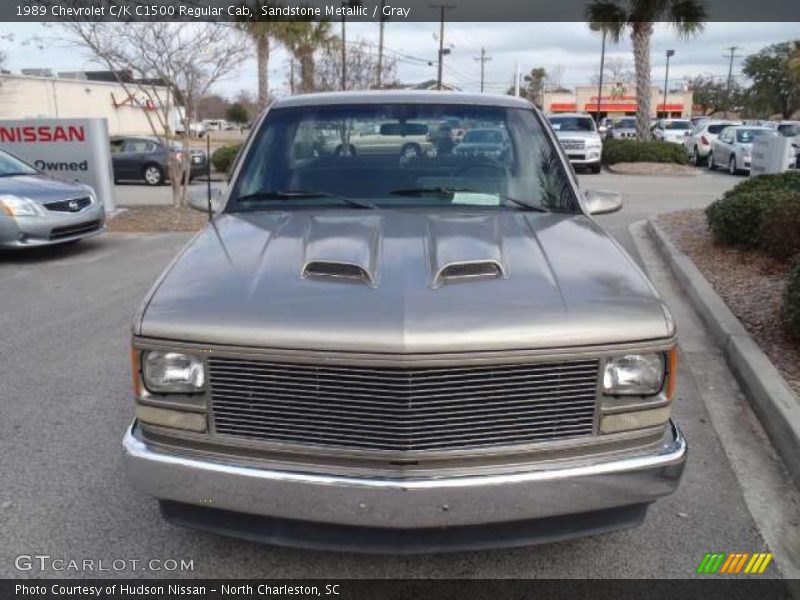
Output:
x,y
789,180
793,301
779,235
617,151
736,220
222,158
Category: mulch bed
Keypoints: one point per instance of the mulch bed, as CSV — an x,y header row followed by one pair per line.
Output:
x,y
752,284
156,219
652,168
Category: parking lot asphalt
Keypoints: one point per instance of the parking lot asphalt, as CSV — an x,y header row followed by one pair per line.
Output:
x,y
65,402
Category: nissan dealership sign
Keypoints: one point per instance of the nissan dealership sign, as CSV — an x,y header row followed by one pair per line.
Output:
x,y
71,149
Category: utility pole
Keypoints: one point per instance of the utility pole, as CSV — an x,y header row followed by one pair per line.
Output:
x,y
732,55
382,20
483,59
442,52
346,4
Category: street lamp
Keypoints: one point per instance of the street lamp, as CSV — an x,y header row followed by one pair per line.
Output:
x,y
670,53
600,84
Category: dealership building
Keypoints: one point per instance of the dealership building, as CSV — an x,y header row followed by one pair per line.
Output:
x,y
38,93
617,100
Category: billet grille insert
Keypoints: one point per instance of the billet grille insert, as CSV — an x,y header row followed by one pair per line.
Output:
x,y
403,408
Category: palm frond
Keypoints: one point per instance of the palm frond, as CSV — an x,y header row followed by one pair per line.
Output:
x,y
606,16
687,16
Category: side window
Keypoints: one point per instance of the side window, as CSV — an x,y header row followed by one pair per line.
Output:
x,y
117,146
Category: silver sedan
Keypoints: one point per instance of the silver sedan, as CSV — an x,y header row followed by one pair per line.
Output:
x,y
38,210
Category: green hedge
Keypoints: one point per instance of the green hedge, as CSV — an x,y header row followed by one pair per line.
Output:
x,y
793,301
761,212
222,158
617,151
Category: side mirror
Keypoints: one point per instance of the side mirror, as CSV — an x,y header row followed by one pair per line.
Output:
x,y
598,202
198,198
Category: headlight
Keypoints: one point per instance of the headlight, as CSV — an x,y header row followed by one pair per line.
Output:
x,y
18,206
172,372
634,375
594,144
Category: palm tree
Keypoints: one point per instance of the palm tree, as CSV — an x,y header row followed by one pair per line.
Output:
x,y
261,33
303,38
615,16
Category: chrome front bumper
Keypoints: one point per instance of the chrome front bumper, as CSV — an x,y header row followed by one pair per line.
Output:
x,y
536,491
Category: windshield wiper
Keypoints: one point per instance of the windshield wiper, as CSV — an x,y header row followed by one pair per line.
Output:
x,y
302,195
450,191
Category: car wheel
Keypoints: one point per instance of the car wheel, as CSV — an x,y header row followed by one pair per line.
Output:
x,y
732,168
340,150
696,160
153,175
710,159
410,151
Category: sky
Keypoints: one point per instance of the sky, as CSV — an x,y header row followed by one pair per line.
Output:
x,y
568,49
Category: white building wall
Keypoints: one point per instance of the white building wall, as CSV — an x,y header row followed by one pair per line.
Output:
x,y
24,97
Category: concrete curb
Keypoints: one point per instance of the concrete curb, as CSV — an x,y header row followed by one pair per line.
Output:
x,y
771,397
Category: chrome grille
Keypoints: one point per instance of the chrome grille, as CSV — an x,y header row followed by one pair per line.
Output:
x,y
573,144
74,205
403,409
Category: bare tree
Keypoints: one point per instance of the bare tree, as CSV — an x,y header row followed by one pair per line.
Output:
x,y
168,67
362,67
616,70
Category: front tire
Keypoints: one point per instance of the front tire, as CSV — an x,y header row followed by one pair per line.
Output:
x,y
711,165
697,160
732,168
153,175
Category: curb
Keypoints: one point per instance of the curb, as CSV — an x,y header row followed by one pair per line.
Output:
x,y
771,397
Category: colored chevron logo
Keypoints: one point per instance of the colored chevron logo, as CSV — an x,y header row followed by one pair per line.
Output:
x,y
734,563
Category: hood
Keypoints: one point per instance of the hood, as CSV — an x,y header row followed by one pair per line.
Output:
x,y
42,188
578,135
403,281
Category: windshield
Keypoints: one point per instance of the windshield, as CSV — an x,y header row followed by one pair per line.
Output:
x,y
717,127
313,156
678,125
572,123
789,129
10,165
746,136
625,124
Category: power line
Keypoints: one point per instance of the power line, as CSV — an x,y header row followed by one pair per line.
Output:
x,y
483,59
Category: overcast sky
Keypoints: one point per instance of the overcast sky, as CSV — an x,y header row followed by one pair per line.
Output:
x,y
568,48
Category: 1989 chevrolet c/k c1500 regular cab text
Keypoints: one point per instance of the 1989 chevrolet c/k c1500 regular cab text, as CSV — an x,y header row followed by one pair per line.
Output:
x,y
403,352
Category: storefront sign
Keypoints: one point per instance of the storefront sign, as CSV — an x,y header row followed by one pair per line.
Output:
x,y
71,149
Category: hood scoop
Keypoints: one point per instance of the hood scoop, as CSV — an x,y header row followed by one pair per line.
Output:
x,y
465,247
342,248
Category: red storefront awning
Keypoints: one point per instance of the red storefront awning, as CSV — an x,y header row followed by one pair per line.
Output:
x,y
592,107
563,107
670,107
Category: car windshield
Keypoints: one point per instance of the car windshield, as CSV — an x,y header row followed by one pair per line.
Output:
x,y
10,165
678,125
746,136
789,129
572,123
625,124
313,156
717,127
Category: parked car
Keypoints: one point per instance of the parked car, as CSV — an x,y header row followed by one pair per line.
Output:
x,y
578,136
147,158
671,130
696,120
39,210
790,129
604,125
405,139
622,128
368,352
488,142
733,147
698,142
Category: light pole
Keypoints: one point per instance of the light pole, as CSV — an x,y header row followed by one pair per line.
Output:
x,y
670,53
600,85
